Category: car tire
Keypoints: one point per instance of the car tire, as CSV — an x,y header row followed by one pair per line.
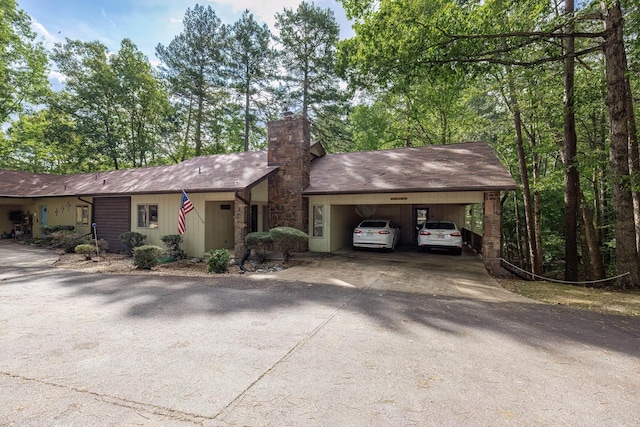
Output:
x,y
458,251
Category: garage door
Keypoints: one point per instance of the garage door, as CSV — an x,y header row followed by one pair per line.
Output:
x,y
112,216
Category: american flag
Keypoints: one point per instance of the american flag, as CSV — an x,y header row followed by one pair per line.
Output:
x,y
185,208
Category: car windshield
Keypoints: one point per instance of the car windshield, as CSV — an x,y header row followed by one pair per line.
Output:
x,y
373,224
440,226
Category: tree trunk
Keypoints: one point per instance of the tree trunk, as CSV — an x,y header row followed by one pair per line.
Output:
x,y
571,176
616,68
534,261
247,101
199,122
596,263
187,132
634,161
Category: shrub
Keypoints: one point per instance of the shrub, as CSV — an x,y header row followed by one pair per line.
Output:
x,y
132,240
50,229
218,261
68,240
288,239
103,245
260,242
85,249
172,242
145,257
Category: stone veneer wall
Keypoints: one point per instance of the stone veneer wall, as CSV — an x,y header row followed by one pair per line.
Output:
x,y
491,239
289,145
241,217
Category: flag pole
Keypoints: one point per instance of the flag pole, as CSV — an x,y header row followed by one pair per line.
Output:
x,y
194,208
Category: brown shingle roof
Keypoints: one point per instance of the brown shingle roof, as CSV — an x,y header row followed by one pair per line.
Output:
x,y
471,166
224,172
459,167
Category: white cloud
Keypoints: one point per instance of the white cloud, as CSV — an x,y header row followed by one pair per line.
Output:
x,y
43,32
263,10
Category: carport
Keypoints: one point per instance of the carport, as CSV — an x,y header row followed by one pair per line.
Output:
x,y
458,182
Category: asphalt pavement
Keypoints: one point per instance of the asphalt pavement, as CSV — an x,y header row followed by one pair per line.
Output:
x,y
352,339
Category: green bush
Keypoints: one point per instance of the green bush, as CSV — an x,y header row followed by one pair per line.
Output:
x,y
260,242
172,242
287,240
132,240
50,229
145,257
218,261
85,249
68,240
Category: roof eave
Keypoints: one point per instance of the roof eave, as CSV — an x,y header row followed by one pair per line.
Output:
x,y
409,190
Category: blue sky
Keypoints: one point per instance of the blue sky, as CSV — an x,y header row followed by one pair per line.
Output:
x,y
145,22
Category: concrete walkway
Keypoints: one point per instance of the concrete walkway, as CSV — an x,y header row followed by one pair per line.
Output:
x,y
359,344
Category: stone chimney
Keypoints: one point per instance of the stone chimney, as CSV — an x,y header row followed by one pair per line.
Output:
x,y
288,148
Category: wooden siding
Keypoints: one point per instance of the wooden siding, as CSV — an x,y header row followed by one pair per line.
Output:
x,y
219,232
111,215
456,197
168,207
203,223
260,193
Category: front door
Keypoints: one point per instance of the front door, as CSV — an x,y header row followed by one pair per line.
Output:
x,y
43,218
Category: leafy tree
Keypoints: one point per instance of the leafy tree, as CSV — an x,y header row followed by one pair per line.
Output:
x,y
413,39
143,103
23,62
115,99
192,63
308,38
250,67
92,95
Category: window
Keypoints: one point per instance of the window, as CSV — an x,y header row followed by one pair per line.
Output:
x,y
318,222
82,215
147,216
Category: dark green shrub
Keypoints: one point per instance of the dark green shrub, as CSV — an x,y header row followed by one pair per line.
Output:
x,y
288,239
132,240
85,249
172,242
145,257
260,242
218,261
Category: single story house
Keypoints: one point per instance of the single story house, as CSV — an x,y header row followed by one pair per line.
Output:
x,y
292,182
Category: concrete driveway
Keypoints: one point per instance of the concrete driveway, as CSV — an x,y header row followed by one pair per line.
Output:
x,y
342,340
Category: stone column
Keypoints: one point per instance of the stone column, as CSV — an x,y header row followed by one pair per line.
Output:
x,y
492,236
241,218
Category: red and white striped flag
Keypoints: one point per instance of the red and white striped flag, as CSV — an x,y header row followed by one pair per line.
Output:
x,y
185,207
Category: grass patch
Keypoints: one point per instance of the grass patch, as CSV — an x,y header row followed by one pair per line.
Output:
x,y
606,301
